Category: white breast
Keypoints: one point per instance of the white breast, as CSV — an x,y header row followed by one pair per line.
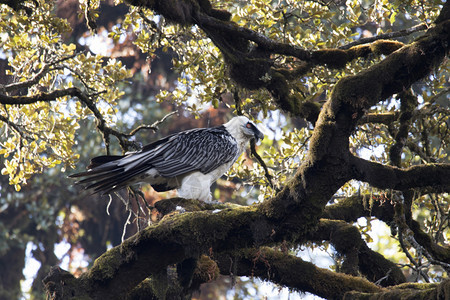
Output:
x,y
196,185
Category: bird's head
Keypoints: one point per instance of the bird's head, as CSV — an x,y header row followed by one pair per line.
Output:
x,y
246,127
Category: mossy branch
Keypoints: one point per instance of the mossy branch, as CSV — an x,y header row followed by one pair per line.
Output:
x,y
175,238
389,177
408,105
329,163
351,208
381,118
407,291
357,256
293,272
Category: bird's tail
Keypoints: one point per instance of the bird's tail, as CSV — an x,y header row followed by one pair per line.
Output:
x,y
103,175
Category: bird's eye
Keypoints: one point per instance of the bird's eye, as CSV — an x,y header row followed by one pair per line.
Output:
x,y
249,125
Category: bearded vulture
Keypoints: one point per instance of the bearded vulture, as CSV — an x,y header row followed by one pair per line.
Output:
x,y
189,161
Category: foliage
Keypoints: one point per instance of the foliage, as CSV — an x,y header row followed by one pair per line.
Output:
x,y
41,135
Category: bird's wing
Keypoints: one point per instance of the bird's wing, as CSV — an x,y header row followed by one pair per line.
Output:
x,y
202,149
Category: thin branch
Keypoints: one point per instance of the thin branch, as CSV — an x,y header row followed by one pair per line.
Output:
x,y
436,254
351,208
417,150
333,57
261,162
84,98
90,20
416,266
38,76
153,127
15,127
41,97
385,36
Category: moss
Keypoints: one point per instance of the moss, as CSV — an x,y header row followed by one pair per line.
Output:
x,y
288,100
106,266
385,47
333,58
441,253
310,111
61,284
410,291
160,284
348,209
320,140
197,231
250,72
360,51
143,290
345,237
303,276
207,269
178,11
377,48
167,206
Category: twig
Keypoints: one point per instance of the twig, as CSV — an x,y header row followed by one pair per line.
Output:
x,y
153,127
261,162
416,266
14,126
125,226
92,25
378,282
42,72
388,35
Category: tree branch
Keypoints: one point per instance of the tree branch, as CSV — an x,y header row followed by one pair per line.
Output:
x,y
382,118
291,271
393,75
14,126
38,76
386,36
41,97
439,253
387,177
408,291
293,213
358,257
172,240
408,104
352,208
264,42
153,127
86,100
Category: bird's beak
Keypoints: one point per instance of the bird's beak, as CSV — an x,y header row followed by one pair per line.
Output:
x,y
258,135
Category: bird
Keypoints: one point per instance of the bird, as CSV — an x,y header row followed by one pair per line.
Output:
x,y
189,161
